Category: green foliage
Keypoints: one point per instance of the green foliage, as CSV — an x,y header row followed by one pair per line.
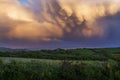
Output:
x,y
116,57
107,69
1,61
70,54
66,71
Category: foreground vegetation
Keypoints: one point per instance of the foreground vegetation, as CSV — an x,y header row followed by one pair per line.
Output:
x,y
67,70
59,64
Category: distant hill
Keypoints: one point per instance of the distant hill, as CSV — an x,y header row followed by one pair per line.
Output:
x,y
4,49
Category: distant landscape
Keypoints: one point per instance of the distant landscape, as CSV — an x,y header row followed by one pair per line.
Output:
x,y
101,54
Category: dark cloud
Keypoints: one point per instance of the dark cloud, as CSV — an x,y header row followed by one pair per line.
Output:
x,y
59,23
111,25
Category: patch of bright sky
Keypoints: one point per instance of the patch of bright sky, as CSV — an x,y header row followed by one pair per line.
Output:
x,y
23,1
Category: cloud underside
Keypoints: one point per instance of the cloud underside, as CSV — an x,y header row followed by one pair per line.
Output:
x,y
59,20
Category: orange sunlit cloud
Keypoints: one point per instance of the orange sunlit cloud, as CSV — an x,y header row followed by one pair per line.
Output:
x,y
51,20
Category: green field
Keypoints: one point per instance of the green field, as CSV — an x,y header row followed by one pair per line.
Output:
x,y
72,64
70,54
48,61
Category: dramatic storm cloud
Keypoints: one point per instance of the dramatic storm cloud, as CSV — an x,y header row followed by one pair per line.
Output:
x,y
59,23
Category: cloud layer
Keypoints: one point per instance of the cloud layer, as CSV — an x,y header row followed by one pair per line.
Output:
x,y
45,21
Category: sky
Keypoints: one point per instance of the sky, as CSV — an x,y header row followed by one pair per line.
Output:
x,y
50,24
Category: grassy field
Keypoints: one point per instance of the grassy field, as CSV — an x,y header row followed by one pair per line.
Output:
x,y
73,64
49,61
46,69
70,54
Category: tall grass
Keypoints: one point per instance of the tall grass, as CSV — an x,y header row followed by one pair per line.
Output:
x,y
34,70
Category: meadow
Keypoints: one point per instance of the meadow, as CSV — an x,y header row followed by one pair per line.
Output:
x,y
60,64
